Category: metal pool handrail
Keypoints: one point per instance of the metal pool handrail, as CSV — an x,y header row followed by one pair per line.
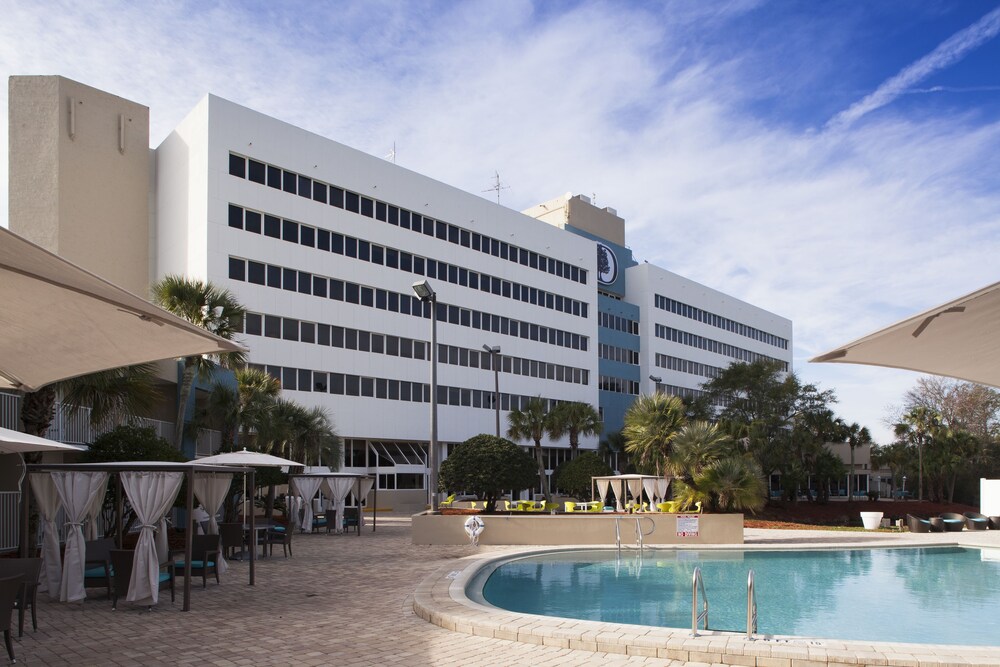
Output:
x,y
751,607
696,617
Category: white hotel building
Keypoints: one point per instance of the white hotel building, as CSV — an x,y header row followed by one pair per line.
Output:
x,y
321,243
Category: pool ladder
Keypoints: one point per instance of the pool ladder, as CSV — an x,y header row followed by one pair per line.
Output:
x,y
638,532
698,585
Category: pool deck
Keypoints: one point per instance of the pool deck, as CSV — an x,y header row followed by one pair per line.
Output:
x,y
350,600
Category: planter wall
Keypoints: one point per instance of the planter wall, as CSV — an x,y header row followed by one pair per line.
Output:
x,y
563,529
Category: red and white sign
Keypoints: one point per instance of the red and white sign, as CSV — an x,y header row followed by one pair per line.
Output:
x,y
687,525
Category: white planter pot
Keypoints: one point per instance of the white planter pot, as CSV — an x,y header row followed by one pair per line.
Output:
x,y
871,520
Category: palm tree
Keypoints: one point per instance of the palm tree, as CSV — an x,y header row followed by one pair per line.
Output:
x,y
917,426
113,396
695,447
531,423
857,436
734,483
211,308
575,419
651,423
258,390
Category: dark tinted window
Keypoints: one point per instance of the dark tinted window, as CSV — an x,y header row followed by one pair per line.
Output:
x,y
352,202
272,326
289,376
307,236
336,197
367,207
319,286
289,279
305,380
272,226
237,166
255,273
305,187
319,191
273,276
256,171
273,177
336,383
322,239
254,324
290,231
235,217
380,211
289,182
290,329
307,332
237,269
252,223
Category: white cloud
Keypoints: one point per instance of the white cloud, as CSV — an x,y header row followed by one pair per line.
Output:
x,y
841,232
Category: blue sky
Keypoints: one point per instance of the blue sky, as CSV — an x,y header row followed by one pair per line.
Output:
x,y
835,162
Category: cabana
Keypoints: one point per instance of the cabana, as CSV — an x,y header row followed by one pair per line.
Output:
x,y
336,486
151,487
634,485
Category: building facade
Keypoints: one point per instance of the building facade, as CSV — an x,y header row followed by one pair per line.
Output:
x,y
322,244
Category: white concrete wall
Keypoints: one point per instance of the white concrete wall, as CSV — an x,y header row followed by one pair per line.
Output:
x,y
989,497
644,281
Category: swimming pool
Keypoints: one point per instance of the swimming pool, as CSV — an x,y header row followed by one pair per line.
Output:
x,y
943,595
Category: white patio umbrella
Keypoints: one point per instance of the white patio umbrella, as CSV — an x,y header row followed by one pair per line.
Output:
x,y
15,442
247,458
957,339
60,321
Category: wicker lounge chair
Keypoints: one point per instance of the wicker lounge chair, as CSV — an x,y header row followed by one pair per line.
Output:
x,y
232,538
917,525
976,521
9,588
953,523
30,568
995,523
98,566
204,558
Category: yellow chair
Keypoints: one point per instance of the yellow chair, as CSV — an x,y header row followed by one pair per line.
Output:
x,y
671,506
506,505
448,501
550,507
570,506
697,507
596,507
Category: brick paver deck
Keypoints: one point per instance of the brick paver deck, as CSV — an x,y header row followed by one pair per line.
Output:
x,y
341,600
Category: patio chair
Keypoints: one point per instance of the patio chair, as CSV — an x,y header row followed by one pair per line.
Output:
x,y
98,570
917,525
953,523
232,538
448,501
204,558
9,588
995,523
976,521
331,521
30,568
121,563
569,506
352,518
283,537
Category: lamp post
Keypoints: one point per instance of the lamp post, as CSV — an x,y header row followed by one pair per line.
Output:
x,y
495,362
426,293
903,496
657,380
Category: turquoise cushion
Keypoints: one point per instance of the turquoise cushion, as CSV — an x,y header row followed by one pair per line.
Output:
x,y
195,564
278,529
98,571
164,576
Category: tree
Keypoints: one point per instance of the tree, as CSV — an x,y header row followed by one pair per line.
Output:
x,y
211,308
733,484
574,476
651,423
532,423
239,412
486,465
961,405
131,443
917,427
575,419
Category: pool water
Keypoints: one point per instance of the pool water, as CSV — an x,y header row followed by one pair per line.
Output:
x,y
937,595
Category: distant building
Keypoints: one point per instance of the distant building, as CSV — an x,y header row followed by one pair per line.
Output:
x,y
322,243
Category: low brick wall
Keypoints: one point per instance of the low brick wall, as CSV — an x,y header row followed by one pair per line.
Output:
x,y
581,528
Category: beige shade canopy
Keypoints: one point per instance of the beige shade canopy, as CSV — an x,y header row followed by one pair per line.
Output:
x,y
58,321
15,442
958,339
247,458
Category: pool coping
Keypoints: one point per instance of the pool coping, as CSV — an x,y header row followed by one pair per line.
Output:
x,y
440,599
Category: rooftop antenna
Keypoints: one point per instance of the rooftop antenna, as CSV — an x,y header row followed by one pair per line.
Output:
x,y
497,185
392,153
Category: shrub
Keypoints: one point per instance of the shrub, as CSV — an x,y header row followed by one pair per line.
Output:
x,y
131,443
487,465
573,476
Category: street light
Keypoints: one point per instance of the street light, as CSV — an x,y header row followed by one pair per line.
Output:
x,y
903,496
495,362
657,379
426,293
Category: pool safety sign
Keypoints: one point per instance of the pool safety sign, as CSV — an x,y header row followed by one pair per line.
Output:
x,y
687,525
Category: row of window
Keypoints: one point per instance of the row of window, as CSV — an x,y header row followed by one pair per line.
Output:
x,y
302,282
340,244
620,354
282,179
618,385
718,321
346,384
725,349
618,323
687,366
287,328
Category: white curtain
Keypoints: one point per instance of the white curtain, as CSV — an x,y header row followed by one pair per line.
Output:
x,y
366,486
76,492
92,513
338,488
48,506
662,485
602,489
635,488
649,486
151,494
293,504
307,488
211,489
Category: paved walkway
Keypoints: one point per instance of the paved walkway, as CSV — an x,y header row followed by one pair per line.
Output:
x,y
343,600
